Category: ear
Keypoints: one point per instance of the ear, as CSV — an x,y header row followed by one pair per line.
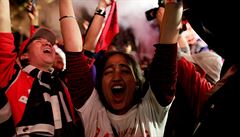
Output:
x,y
24,56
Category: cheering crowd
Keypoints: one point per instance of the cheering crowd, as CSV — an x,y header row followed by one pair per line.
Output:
x,y
84,85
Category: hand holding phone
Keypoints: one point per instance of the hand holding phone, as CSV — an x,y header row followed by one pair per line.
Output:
x,y
31,5
151,14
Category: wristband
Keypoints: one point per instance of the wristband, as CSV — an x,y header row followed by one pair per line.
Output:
x,y
89,54
36,26
64,17
100,11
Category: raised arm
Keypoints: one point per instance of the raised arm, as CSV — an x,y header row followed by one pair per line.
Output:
x,y
8,52
170,25
6,122
5,22
79,78
69,27
163,67
96,25
33,15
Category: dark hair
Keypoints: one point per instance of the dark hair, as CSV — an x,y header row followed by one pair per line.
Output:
x,y
100,64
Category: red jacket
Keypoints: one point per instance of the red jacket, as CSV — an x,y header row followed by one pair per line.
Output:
x,y
17,85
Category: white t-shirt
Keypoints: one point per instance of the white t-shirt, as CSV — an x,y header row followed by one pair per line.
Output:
x,y
147,119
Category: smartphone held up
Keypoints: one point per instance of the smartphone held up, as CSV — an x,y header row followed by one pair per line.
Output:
x,y
151,13
31,5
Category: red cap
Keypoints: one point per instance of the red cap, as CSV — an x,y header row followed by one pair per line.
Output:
x,y
40,33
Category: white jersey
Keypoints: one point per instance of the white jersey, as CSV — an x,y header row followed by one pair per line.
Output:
x,y
147,119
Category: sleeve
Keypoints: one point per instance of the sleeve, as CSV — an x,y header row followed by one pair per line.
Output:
x,y
163,73
79,78
196,88
6,119
8,56
90,57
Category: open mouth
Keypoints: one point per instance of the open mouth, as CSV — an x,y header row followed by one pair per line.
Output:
x,y
47,50
117,89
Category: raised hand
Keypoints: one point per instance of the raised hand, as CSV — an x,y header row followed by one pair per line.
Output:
x,y
105,3
33,13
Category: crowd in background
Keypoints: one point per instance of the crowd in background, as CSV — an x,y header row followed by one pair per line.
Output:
x,y
94,82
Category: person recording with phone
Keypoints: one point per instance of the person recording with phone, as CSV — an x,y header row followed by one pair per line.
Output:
x,y
33,15
152,13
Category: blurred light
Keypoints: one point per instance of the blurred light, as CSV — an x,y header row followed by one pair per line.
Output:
x,y
49,1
